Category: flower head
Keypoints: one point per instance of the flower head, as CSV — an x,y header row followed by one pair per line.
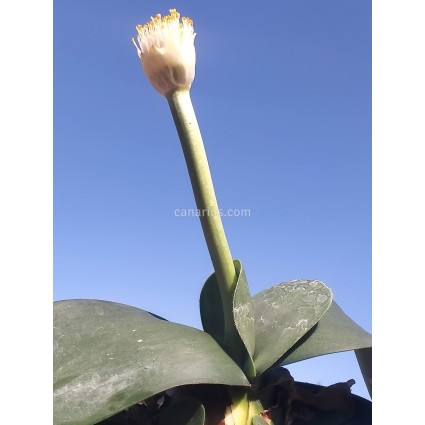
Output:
x,y
166,49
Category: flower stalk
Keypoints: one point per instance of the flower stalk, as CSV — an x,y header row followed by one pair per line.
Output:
x,y
166,49
199,172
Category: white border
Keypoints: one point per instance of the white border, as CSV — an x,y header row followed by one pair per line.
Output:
x,y
26,218
398,208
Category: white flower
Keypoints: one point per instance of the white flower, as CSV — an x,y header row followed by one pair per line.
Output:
x,y
167,52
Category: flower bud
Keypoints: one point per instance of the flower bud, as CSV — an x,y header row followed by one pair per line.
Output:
x,y
167,52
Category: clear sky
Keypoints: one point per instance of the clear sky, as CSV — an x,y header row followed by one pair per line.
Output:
x,y
283,97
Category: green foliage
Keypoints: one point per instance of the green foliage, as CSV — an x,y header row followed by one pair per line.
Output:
x,y
283,314
109,356
183,411
334,332
364,359
242,332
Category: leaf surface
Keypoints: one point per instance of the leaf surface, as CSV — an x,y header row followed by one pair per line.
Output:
x,y
335,332
283,314
184,411
242,332
109,356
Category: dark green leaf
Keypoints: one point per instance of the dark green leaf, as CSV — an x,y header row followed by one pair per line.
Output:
x,y
211,309
242,332
242,310
283,314
335,332
184,411
364,358
109,356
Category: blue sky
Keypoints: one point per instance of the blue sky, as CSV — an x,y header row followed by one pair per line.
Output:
x,y
283,97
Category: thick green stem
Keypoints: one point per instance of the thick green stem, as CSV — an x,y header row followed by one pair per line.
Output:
x,y
203,189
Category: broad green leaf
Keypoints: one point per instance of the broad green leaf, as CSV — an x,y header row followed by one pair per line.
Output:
x,y
211,309
212,316
109,356
335,332
364,358
183,411
283,314
242,310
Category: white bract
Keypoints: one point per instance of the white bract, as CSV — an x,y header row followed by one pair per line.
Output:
x,y
167,51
